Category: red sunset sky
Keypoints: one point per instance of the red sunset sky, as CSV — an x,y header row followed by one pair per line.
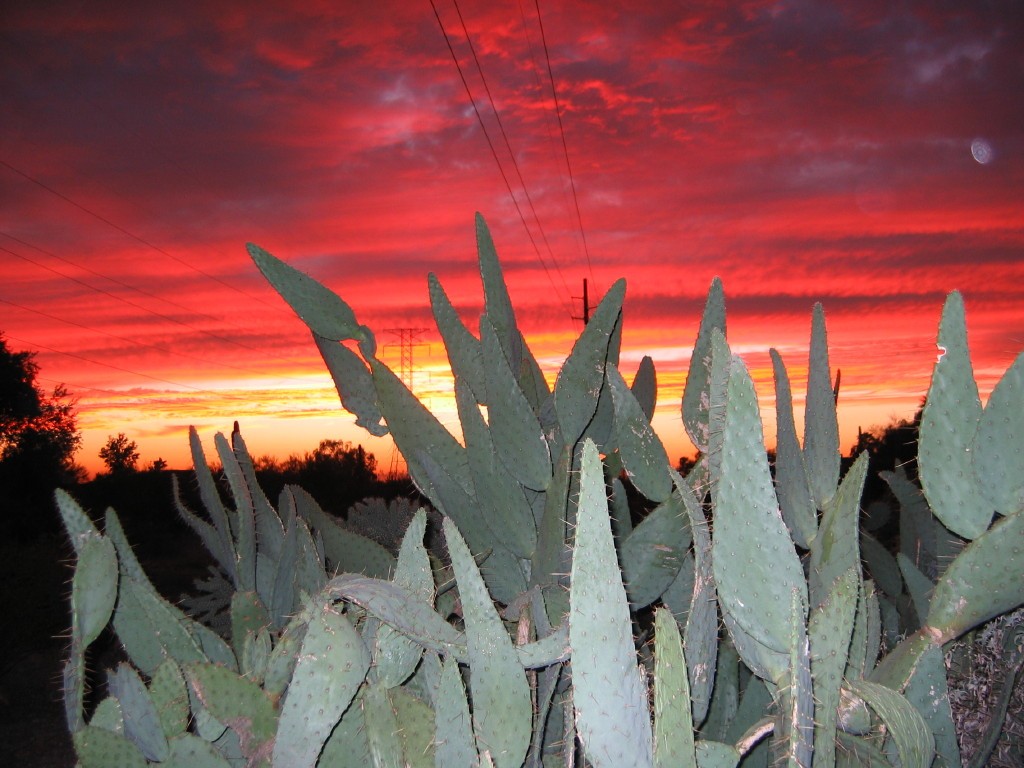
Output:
x,y
869,155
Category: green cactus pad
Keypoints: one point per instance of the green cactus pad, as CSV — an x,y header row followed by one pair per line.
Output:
x,y
170,698
768,664
948,424
821,424
284,655
581,378
394,605
382,728
652,554
610,697
244,522
415,728
311,565
354,383
142,724
673,719
645,387
93,588
345,549
928,693
858,647
986,579
830,628
998,459
795,738
108,715
76,523
754,707
755,563
550,564
517,437
700,637
283,590
99,748
396,655
150,630
718,388
464,353
696,403
853,752
319,307
919,586
504,508
791,484
349,744
455,745
881,565
726,696
618,508
189,751
248,616
497,304
917,523
417,431
269,530
255,655
332,664
914,741
835,549
502,709
238,703
219,541
715,754
642,454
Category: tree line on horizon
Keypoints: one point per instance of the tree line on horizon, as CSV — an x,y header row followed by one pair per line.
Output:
x,y
39,436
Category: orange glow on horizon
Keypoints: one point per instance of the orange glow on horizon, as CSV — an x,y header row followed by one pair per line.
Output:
x,y
864,157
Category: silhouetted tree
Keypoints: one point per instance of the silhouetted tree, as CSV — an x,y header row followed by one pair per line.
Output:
x,y
120,454
336,474
38,438
889,446
686,463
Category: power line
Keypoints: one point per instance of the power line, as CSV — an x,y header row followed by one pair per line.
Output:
x,y
131,303
110,365
561,130
528,38
114,280
494,152
508,145
200,390
135,343
135,237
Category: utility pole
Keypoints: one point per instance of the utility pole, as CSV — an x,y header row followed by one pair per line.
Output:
x,y
586,304
408,340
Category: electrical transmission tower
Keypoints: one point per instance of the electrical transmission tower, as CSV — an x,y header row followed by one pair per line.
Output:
x,y
408,341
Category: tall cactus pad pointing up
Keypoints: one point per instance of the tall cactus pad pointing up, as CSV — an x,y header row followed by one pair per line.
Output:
x,y
696,405
821,425
498,686
998,458
755,562
948,423
609,695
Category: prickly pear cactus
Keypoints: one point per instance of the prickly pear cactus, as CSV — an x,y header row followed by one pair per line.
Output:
x,y
731,624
